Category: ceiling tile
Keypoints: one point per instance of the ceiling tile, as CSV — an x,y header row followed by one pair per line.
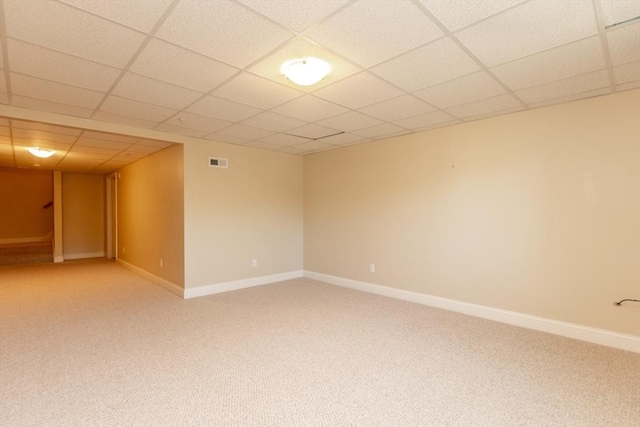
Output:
x,y
494,113
429,65
4,121
310,109
59,67
139,110
45,127
312,131
1,55
273,121
123,120
398,108
532,27
483,106
196,121
350,121
295,150
628,86
53,107
366,32
570,98
151,91
54,92
358,90
624,44
101,143
140,148
297,15
153,143
66,29
222,109
246,35
4,131
173,64
226,138
109,136
181,130
462,90
616,11
424,120
38,135
96,150
59,147
313,145
3,82
256,91
284,139
570,86
344,139
141,15
627,73
380,131
560,63
263,145
456,14
245,132
300,48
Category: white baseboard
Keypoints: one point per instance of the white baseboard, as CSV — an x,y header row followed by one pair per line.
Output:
x,y
239,284
84,255
171,287
57,259
565,329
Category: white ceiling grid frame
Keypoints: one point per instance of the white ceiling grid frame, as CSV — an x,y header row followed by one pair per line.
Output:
x,y
457,14
47,64
361,31
618,11
398,108
297,15
472,87
515,33
155,92
54,92
552,65
445,58
247,36
176,65
56,26
358,91
567,87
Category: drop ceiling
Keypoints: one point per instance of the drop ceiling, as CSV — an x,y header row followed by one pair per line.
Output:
x,y
210,68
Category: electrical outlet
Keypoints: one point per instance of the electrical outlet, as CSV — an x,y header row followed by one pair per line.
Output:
x,y
254,262
372,268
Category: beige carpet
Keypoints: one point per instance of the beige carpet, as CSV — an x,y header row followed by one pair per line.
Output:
x,y
91,344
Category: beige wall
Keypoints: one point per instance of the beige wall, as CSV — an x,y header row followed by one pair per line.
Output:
x,y
82,216
23,193
150,195
251,210
535,212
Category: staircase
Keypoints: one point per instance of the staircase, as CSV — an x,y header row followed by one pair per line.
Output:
x,y
26,253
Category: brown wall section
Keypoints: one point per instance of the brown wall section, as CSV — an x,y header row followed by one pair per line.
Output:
x,y
23,193
150,199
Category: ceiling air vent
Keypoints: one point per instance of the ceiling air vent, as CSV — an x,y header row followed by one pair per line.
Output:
x,y
215,162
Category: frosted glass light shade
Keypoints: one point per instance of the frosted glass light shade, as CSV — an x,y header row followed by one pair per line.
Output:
x,y
305,71
43,154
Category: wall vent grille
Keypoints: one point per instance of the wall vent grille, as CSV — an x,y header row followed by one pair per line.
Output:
x,y
215,162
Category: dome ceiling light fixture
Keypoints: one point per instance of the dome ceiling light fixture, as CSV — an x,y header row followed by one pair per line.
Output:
x,y
305,71
42,153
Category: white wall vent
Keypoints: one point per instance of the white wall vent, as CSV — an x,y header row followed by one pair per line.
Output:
x,y
215,162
